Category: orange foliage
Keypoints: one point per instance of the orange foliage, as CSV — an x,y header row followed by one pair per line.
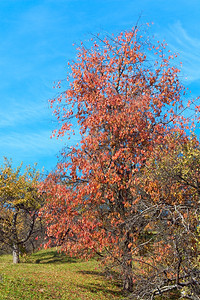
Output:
x,y
125,100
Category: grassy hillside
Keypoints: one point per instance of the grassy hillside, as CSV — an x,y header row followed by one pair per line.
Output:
x,y
49,275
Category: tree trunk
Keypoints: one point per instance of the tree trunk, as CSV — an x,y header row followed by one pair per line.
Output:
x,y
127,266
15,253
128,278
15,238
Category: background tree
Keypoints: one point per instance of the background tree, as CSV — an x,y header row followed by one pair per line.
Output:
x,y
171,180
19,206
123,102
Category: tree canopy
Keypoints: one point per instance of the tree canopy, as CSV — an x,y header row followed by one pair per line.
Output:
x,y
125,97
19,205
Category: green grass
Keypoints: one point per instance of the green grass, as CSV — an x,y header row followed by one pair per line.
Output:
x,y
49,275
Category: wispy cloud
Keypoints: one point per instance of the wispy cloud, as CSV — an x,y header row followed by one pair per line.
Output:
x,y
14,113
30,142
35,142
188,47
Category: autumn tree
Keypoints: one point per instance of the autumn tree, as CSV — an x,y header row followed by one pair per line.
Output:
x,y
172,182
123,98
19,206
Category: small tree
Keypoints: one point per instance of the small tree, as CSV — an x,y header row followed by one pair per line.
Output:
x,y
19,206
122,99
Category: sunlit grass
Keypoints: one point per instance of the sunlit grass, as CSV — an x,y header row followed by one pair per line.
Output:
x,y
49,275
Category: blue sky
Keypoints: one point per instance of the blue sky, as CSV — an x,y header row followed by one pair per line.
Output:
x,y
36,44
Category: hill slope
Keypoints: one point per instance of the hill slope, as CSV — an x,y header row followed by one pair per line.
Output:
x,y
49,275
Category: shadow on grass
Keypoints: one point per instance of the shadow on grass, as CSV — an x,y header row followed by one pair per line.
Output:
x,y
51,257
106,274
96,288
